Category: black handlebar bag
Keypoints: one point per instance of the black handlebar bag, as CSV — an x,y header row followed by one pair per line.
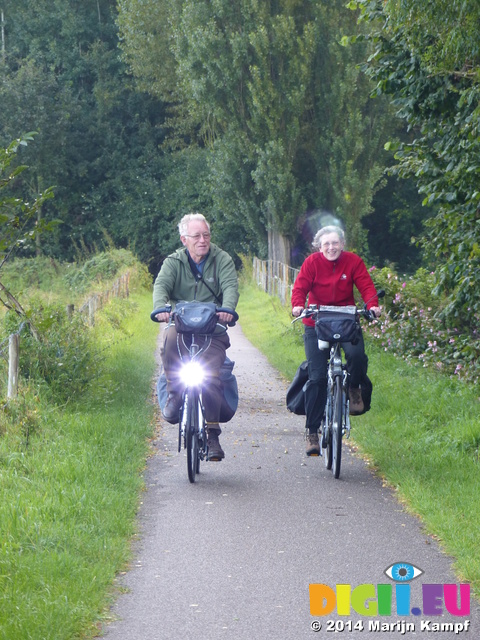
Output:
x,y
338,324
195,317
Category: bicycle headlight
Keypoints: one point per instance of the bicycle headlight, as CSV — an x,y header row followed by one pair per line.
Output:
x,y
192,374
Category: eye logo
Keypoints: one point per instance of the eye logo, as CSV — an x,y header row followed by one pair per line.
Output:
x,y
402,572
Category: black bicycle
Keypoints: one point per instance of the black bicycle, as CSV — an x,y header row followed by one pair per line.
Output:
x,y
335,325
192,424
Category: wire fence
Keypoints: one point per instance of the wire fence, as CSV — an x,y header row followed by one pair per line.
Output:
x,y
275,278
119,289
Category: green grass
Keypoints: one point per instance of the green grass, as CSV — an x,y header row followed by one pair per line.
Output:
x,y
69,499
422,433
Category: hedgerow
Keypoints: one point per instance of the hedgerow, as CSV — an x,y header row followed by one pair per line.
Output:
x,y
414,328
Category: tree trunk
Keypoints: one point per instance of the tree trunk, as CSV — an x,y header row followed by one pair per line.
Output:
x,y
279,247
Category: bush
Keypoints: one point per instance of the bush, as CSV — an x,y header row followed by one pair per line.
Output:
x,y
413,326
101,268
65,358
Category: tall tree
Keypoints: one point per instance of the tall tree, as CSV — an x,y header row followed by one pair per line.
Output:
x,y
97,136
279,106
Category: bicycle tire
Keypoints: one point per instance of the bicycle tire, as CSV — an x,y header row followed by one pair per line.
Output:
x,y
191,437
200,443
327,435
337,426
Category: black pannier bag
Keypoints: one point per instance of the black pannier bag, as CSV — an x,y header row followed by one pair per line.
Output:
x,y
366,389
295,392
337,324
195,317
230,391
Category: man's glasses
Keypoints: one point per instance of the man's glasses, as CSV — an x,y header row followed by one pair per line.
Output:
x,y
197,236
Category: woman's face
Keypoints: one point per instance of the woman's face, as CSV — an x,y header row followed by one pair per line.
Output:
x,y
331,246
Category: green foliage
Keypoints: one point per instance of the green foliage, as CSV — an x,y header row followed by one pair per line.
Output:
x,y
97,140
101,267
427,60
282,109
413,329
66,358
16,216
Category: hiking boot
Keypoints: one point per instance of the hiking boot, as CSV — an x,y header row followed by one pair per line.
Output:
x,y
356,402
172,407
313,444
215,452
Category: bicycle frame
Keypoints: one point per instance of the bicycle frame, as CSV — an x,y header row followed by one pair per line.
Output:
x,y
191,427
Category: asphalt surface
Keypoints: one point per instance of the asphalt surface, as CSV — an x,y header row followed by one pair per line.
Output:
x,y
233,555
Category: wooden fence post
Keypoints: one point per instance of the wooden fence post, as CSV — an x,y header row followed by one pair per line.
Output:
x,y
13,344
91,311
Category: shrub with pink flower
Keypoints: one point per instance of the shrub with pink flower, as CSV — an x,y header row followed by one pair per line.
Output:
x,y
412,326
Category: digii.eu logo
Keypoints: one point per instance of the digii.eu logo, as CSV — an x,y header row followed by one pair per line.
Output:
x,y
386,599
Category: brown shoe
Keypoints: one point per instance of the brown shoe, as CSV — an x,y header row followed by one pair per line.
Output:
x,y
171,410
356,402
215,452
313,444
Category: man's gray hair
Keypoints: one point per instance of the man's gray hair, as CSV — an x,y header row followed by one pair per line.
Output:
x,y
317,241
184,222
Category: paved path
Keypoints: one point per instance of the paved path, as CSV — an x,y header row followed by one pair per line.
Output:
x,y
232,556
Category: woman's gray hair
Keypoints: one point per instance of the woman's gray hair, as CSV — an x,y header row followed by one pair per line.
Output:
x,y
184,222
317,241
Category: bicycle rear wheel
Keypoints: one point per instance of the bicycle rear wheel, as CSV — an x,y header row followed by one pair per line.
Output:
x,y
191,437
337,427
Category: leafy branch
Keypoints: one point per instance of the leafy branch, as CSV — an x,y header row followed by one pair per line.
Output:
x,y
16,217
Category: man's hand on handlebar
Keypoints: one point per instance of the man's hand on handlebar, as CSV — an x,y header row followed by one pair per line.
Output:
x,y
296,311
163,317
225,318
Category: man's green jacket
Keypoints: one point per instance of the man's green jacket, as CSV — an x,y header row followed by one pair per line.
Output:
x,y
176,280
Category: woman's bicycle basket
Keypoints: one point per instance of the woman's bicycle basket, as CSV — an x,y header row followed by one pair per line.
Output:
x,y
337,324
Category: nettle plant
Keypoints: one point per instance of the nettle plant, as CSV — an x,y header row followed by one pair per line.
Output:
x,y
413,325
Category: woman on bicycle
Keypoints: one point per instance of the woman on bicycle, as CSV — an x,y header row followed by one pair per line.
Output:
x,y
327,277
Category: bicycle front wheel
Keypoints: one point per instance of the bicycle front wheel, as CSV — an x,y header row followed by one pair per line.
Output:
x,y
191,437
327,434
337,427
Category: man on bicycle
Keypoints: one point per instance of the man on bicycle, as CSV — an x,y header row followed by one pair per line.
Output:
x,y
327,278
203,272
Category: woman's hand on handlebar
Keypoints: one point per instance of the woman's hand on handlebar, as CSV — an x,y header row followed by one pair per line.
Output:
x,y
376,311
296,311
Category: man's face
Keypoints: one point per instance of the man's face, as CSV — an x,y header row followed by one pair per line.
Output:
x,y
197,240
331,246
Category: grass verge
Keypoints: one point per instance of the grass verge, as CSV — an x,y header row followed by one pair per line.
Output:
x,y
422,434
69,499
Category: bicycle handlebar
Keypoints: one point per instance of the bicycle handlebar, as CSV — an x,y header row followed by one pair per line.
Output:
x,y
368,314
168,309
